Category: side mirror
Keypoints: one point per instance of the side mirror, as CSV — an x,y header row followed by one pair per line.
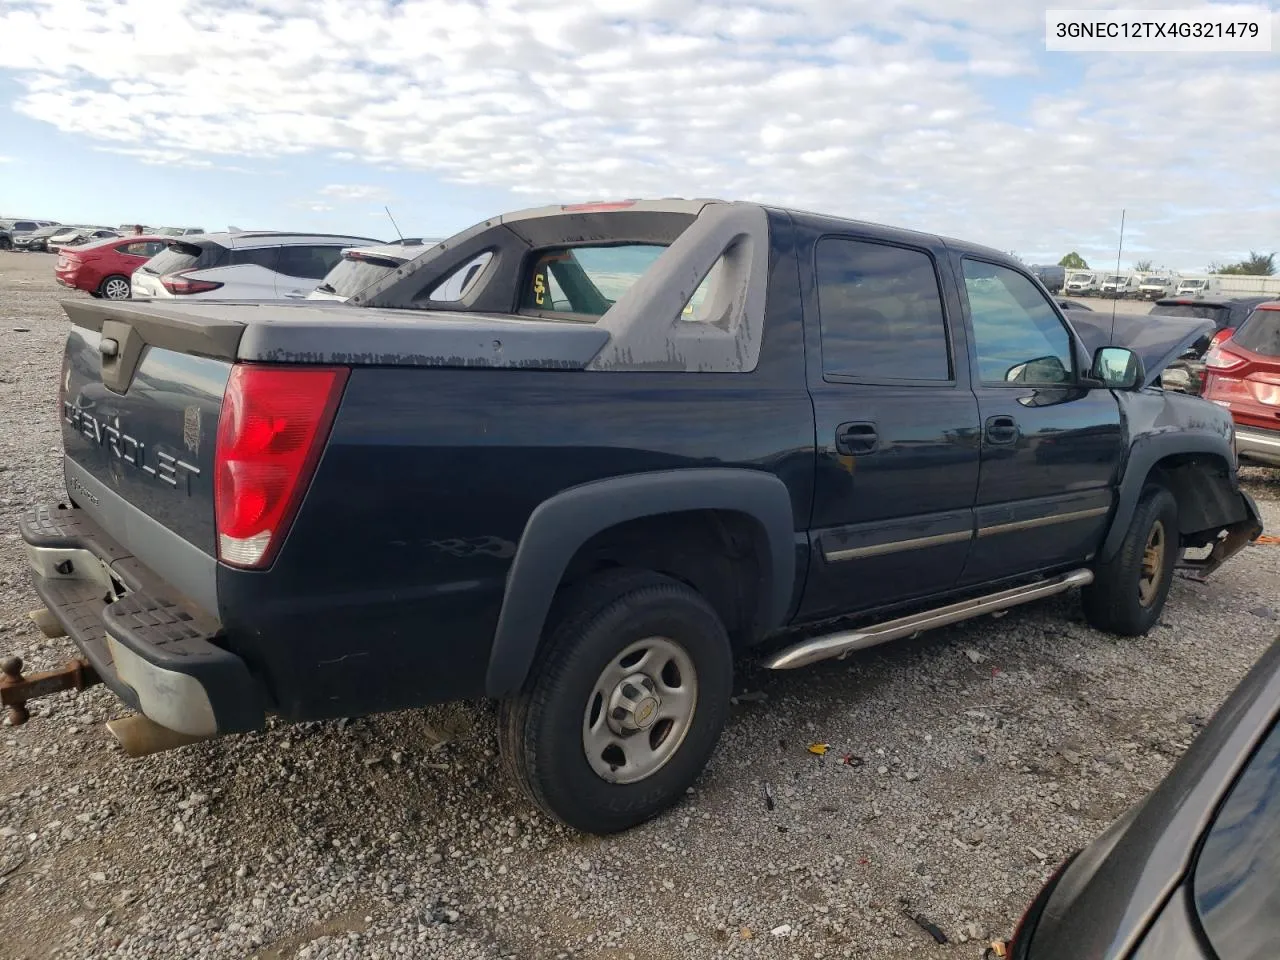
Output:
x,y
1117,367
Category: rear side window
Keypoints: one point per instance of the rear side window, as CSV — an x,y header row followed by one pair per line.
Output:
x,y
1236,894
1261,333
310,262
264,257
141,248
880,312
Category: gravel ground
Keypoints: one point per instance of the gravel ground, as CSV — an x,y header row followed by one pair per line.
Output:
x,y
977,758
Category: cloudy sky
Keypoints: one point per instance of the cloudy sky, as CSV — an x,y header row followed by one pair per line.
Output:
x,y
942,115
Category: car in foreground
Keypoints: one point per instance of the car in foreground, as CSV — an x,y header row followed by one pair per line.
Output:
x,y
1227,313
37,241
1191,872
103,268
645,439
244,265
1242,373
77,236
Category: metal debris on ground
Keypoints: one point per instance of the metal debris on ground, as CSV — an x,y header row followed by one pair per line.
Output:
x,y
768,798
820,749
925,924
997,950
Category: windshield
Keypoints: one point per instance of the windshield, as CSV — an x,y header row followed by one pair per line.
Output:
x,y
1188,284
1153,282
1080,278
352,275
1116,280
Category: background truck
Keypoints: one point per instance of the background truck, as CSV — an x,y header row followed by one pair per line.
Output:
x,y
644,439
1081,283
1118,286
1156,286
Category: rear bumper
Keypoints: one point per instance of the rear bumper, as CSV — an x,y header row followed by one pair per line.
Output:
x,y
157,652
1258,445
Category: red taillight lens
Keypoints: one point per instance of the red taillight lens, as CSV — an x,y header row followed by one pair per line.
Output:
x,y
1221,336
1219,358
273,425
178,285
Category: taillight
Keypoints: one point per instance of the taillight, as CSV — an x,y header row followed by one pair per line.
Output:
x,y
177,284
1222,335
273,426
1219,358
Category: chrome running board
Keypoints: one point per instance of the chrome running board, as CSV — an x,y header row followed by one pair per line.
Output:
x,y
841,644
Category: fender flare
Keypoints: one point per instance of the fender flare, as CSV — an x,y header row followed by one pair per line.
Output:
x,y
1146,452
562,524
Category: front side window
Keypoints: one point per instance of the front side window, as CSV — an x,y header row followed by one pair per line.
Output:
x,y
880,312
1017,334
307,261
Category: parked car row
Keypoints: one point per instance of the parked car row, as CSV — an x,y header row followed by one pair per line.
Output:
x,y
14,232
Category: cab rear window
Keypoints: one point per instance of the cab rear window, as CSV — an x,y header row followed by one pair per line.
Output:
x,y
585,281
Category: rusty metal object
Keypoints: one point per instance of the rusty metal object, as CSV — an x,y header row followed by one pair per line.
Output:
x,y
16,690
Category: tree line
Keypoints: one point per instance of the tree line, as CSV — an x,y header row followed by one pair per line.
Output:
x,y
1254,265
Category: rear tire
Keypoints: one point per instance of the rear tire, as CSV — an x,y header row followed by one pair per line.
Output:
x,y
114,287
1129,590
625,705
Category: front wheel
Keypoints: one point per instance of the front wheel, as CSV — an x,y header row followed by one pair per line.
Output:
x,y
114,288
1129,590
625,705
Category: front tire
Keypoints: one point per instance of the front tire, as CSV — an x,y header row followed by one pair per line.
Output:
x,y
625,705
1129,591
114,287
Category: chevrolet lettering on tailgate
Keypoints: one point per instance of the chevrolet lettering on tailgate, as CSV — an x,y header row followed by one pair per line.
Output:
x,y
164,466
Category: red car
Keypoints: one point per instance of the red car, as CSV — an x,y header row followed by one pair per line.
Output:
x,y
1242,373
103,268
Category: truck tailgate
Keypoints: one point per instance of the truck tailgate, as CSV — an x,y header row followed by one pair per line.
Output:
x,y
139,410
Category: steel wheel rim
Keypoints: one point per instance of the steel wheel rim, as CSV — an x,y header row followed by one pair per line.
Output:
x,y
116,290
639,710
1152,565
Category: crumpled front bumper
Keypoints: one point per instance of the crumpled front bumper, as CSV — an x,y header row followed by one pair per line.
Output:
x,y
157,652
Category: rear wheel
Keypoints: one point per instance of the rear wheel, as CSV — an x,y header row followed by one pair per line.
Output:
x,y
1129,590
114,287
625,705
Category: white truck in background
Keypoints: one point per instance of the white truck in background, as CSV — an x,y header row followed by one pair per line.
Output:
x,y
1081,283
1198,286
1156,286
1118,286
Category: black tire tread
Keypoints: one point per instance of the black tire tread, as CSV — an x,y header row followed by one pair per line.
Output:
x,y
573,615
1110,603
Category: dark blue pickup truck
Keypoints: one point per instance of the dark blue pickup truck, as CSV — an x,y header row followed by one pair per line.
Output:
x,y
577,459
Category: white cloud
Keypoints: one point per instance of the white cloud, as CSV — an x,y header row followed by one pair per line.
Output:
x,y
936,114
355,193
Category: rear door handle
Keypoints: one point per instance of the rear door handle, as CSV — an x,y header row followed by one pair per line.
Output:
x,y
855,438
1002,429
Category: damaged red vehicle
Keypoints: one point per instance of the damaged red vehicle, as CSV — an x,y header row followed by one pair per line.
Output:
x,y
1242,373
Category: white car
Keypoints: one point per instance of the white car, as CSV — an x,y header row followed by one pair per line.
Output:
x,y
246,265
362,266
75,236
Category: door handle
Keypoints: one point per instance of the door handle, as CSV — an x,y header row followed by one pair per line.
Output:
x,y
1001,429
855,438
